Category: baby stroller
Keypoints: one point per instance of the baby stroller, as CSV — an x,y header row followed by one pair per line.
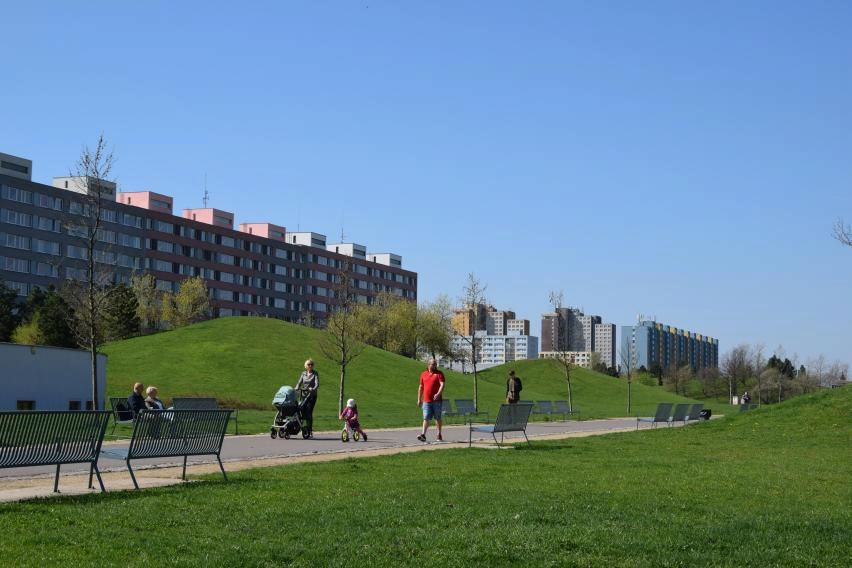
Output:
x,y
288,420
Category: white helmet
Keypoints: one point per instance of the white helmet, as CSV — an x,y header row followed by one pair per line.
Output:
x,y
350,403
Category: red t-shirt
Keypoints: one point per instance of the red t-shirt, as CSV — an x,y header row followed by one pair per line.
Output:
x,y
430,382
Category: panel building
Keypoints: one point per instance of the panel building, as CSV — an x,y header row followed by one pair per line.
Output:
x,y
257,269
650,342
569,330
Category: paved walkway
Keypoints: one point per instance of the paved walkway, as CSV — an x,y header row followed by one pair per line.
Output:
x,y
244,452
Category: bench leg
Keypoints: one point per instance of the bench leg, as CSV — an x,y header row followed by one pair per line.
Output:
x,y
133,477
183,475
114,424
236,426
97,472
56,481
222,467
525,437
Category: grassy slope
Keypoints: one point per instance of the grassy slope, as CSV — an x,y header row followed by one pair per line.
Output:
x,y
766,488
247,359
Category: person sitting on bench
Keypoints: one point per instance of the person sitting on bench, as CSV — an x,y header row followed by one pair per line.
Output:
x,y
136,401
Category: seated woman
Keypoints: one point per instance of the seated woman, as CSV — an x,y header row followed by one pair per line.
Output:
x,y
152,402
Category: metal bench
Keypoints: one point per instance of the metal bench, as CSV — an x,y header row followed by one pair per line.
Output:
x,y
561,407
465,408
203,403
121,412
747,406
664,410
447,410
681,412
510,418
695,413
174,433
53,437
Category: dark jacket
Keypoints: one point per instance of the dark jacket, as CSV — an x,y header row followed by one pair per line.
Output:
x,y
136,402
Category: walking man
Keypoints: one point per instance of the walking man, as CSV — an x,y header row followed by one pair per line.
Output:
x,y
429,396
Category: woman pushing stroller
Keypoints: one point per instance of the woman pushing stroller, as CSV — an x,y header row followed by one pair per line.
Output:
x,y
307,386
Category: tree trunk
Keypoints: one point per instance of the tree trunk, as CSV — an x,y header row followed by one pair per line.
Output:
x,y
628,396
475,388
340,400
568,380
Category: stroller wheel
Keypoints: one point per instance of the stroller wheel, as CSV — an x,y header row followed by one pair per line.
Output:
x,y
286,436
356,436
273,433
344,435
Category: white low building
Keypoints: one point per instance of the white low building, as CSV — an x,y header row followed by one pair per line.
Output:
x,y
496,349
38,377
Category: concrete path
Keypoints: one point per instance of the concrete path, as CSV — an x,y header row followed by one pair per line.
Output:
x,y
244,452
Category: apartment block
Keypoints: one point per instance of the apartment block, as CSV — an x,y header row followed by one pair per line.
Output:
x,y
257,269
650,342
518,327
578,358
571,330
498,349
496,320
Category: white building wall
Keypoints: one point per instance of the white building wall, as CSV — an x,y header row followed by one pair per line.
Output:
x,y
49,376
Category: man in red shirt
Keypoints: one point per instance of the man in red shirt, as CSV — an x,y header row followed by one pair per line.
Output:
x,y
429,395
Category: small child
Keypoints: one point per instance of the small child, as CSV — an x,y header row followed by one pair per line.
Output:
x,y
350,414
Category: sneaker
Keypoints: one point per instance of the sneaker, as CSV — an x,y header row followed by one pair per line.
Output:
x,y
421,437
440,438
364,437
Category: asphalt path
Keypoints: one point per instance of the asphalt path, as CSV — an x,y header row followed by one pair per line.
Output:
x,y
262,446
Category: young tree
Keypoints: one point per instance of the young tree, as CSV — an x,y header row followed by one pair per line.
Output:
x,y
341,342
627,365
89,296
473,295
149,301
563,344
190,304
9,318
54,315
29,332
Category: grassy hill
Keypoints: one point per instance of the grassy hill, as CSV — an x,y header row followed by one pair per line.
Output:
x,y
243,361
765,488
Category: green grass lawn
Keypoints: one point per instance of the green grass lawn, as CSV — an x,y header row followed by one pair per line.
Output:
x,y
766,488
243,361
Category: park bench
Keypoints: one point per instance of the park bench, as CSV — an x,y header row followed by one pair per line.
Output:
x,y
544,407
466,408
695,413
681,413
53,437
510,418
747,406
663,414
203,403
561,407
121,412
174,433
447,410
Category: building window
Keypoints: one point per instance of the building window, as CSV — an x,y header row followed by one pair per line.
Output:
x,y
218,219
162,204
15,264
25,405
15,241
14,167
19,195
15,218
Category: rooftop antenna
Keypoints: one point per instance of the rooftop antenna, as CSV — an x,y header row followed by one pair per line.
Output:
x,y
206,196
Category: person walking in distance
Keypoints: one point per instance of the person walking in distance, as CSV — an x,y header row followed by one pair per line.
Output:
x,y
513,388
307,386
429,396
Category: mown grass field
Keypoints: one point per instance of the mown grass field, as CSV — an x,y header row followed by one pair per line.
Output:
x,y
243,361
766,488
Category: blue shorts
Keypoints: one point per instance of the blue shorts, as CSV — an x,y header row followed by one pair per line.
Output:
x,y
432,410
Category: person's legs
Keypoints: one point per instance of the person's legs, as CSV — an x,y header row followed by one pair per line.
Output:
x,y
438,423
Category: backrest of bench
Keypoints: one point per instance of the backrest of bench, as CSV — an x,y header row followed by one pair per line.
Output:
x,y
121,410
195,403
680,413
165,433
544,407
47,437
465,406
695,411
561,406
664,410
513,417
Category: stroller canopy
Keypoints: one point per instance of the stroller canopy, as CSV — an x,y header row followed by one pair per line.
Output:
x,y
285,395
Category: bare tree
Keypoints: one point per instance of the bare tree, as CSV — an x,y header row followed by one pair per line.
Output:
x,y
563,342
473,295
341,341
843,232
627,364
89,292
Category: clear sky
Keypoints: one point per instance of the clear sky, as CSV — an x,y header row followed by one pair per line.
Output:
x,y
679,159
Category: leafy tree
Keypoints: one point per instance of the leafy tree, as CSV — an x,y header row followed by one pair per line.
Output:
x,y
435,328
54,315
122,314
149,301
656,370
28,333
190,304
9,318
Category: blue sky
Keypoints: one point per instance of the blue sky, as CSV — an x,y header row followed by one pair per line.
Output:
x,y
679,159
